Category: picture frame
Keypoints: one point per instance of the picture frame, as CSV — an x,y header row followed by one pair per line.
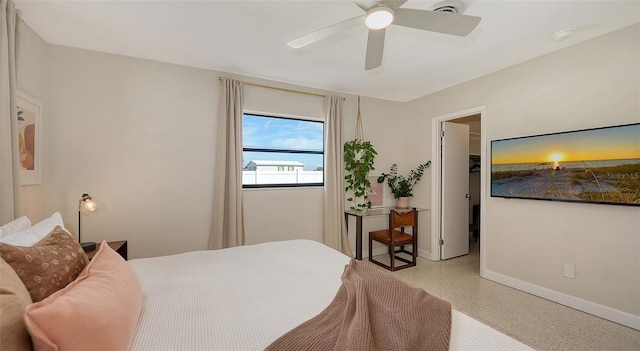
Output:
x,y
598,165
29,117
375,192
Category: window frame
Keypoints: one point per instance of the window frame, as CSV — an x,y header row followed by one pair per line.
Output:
x,y
285,151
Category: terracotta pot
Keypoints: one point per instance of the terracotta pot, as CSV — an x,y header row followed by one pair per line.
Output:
x,y
402,202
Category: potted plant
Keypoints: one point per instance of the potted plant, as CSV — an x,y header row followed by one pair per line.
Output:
x,y
401,186
359,156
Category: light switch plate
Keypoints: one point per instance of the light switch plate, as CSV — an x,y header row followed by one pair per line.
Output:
x,y
569,270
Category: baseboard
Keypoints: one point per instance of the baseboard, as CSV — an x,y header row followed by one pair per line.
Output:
x,y
425,254
617,316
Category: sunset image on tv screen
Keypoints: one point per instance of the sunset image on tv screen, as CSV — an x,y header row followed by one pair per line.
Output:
x,y
596,165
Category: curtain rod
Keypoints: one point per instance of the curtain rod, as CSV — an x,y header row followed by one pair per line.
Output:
x,y
282,89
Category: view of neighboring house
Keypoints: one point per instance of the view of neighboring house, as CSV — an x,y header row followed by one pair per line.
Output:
x,y
279,172
264,165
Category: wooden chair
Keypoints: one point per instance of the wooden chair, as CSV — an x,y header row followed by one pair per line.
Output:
x,y
396,236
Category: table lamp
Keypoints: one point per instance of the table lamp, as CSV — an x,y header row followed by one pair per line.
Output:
x,y
90,208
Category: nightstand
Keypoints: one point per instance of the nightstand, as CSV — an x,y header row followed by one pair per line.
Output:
x,y
118,246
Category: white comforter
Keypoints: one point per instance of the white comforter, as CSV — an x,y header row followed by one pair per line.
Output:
x,y
244,298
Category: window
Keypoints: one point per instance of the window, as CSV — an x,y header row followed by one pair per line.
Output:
x,y
281,152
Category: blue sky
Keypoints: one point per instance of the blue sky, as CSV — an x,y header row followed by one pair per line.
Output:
x,y
282,133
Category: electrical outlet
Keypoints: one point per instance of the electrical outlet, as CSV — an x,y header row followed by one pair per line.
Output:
x,y
569,270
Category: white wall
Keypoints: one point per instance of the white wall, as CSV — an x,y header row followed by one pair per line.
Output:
x,y
285,213
140,135
137,134
526,242
385,125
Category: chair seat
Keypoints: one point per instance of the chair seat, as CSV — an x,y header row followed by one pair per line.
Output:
x,y
399,238
399,221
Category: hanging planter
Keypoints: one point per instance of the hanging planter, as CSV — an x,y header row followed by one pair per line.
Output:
x,y
359,156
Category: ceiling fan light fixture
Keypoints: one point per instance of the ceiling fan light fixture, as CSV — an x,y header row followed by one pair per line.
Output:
x,y
378,17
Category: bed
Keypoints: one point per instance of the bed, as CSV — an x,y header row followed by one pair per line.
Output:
x,y
242,298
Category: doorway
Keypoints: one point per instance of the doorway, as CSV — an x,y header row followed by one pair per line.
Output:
x,y
475,119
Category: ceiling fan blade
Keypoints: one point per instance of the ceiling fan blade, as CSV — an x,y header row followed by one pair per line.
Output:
x,y
375,49
326,32
441,22
394,4
365,4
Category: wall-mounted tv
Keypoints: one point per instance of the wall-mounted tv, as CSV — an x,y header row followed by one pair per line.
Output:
x,y
600,165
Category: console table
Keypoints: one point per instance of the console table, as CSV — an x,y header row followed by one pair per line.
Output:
x,y
359,215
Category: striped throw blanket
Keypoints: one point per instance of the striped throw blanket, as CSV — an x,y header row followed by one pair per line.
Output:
x,y
373,311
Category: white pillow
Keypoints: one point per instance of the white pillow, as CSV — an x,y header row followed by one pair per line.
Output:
x,y
33,234
14,226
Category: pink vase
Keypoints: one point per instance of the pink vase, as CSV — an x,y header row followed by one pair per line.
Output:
x,y
402,202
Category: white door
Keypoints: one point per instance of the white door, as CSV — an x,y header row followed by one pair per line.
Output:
x,y
454,232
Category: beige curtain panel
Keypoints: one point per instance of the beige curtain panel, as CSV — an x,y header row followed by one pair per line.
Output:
x,y
335,230
9,158
228,217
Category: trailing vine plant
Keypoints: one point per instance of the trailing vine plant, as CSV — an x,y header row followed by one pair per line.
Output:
x,y
359,156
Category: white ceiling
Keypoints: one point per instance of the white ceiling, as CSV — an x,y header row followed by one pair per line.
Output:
x,y
249,38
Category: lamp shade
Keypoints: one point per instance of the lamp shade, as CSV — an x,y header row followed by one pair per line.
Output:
x,y
89,206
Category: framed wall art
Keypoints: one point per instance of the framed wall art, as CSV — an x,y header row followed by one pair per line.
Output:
x,y
600,165
375,192
30,139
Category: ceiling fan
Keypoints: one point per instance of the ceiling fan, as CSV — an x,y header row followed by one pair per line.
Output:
x,y
445,17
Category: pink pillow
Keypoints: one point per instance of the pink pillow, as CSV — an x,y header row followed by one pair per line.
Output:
x,y
97,311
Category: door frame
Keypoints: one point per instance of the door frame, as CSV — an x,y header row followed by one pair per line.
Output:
x,y
436,178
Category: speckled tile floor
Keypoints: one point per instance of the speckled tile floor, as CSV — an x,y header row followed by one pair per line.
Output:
x,y
539,323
